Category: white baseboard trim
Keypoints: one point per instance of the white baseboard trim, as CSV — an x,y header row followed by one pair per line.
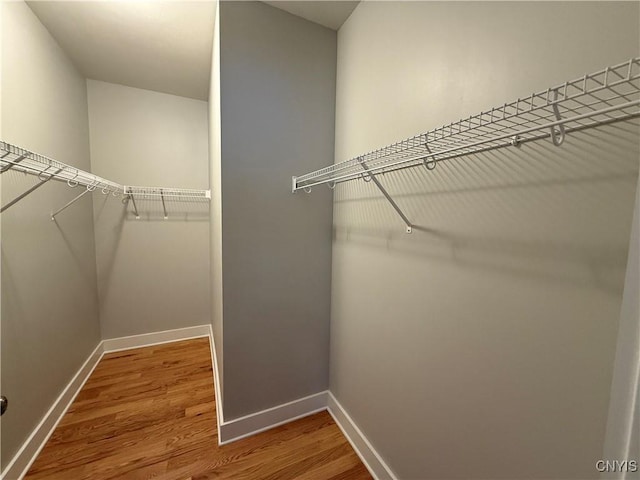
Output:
x,y
155,338
24,458
369,456
239,428
216,382
248,425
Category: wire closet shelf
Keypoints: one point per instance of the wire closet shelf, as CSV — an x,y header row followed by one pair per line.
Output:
x,y
21,160
606,96
45,168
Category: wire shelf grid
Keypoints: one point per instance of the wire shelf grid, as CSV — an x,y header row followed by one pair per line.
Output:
x,y
45,168
21,160
606,96
167,192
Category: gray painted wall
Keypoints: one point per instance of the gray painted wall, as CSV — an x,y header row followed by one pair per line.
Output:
x,y
482,345
153,274
277,107
49,298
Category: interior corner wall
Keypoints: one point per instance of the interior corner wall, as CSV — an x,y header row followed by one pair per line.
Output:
x,y
153,273
216,202
277,84
482,345
49,298
623,425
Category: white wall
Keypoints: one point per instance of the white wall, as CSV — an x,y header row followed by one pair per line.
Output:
x,y
49,297
482,345
623,425
215,165
153,274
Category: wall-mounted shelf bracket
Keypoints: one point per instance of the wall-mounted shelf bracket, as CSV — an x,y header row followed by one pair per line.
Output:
x,y
32,189
164,207
78,197
372,177
135,207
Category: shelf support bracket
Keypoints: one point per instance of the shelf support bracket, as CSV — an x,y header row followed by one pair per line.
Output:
x,y
78,197
395,206
164,208
135,207
32,189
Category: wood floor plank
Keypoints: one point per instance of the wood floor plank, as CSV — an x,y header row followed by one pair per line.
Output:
x,y
151,413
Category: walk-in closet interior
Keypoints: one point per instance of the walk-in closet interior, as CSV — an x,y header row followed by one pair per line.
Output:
x,y
321,240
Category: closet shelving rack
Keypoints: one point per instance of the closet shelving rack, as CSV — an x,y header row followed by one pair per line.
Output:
x,y
46,169
603,97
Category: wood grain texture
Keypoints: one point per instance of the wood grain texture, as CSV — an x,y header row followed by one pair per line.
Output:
x,y
151,413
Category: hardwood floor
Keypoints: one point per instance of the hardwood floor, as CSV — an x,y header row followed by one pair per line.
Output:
x,y
150,413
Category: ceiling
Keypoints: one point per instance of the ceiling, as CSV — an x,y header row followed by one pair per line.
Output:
x,y
163,46
155,45
331,14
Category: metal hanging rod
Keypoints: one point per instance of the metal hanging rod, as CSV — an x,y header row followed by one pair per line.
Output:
x,y
603,97
22,160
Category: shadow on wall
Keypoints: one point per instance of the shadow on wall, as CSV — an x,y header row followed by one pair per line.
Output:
x,y
540,211
180,210
71,242
109,223
140,257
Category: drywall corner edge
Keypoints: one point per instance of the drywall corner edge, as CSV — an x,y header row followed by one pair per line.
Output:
x,y
24,458
369,456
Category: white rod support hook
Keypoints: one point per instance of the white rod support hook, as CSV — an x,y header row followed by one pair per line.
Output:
x,y
428,164
331,185
93,186
516,141
44,172
557,136
72,182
